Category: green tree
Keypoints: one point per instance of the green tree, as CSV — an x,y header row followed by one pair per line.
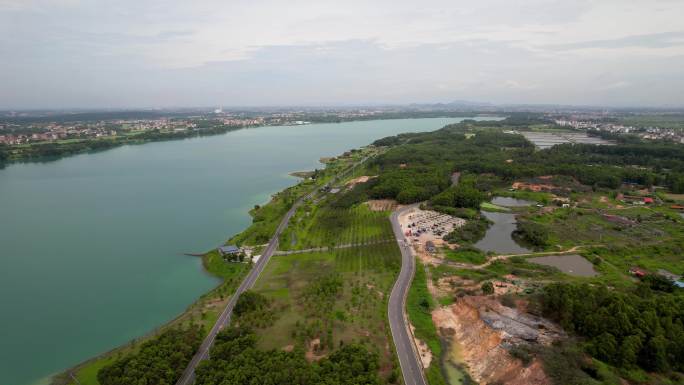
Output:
x,y
487,288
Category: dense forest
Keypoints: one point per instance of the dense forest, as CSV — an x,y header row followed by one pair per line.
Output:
x,y
159,361
420,167
642,328
235,360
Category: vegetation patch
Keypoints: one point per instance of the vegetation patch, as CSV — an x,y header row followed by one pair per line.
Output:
x,y
470,233
466,254
419,305
639,329
329,299
236,359
158,361
487,206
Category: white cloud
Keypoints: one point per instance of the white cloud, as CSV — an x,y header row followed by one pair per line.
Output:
x,y
495,49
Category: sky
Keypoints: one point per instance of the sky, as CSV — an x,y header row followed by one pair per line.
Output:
x,y
179,53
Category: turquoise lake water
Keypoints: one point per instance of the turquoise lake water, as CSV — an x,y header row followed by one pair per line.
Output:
x,y
92,245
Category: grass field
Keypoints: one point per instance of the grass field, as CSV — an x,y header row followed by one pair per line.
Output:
x,y
487,206
266,218
541,197
419,304
357,312
572,227
465,255
663,121
316,226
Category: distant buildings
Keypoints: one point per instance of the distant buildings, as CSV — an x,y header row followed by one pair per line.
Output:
x,y
650,133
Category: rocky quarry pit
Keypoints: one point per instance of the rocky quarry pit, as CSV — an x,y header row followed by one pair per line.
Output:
x,y
483,332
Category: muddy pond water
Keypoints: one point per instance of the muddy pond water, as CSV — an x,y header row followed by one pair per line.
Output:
x,y
452,365
511,202
572,264
498,237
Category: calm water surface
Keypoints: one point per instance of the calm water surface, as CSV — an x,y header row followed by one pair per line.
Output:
x,y
498,237
91,246
511,202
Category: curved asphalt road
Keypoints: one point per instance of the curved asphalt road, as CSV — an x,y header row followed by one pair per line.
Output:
x,y
411,367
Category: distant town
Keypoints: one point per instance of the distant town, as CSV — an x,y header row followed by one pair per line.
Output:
x,y
26,127
648,132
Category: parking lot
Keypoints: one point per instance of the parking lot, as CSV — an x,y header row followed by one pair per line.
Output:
x,y
425,228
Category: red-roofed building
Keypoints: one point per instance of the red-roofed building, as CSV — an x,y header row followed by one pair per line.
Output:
x,y
648,200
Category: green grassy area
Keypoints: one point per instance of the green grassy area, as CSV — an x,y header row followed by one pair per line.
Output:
x,y
465,255
540,197
663,121
357,313
488,206
265,219
645,225
88,374
419,304
315,226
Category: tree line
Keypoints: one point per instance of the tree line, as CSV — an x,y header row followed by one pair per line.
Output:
x,y
160,361
418,166
236,360
640,328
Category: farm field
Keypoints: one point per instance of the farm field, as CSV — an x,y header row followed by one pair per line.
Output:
x,y
318,226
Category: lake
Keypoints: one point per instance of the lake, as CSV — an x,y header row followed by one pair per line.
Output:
x,y
92,245
498,237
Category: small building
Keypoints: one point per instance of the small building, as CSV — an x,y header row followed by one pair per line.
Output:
x,y
679,284
637,272
648,200
228,250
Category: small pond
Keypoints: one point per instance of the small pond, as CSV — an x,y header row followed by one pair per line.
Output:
x,y
453,367
572,264
498,237
511,202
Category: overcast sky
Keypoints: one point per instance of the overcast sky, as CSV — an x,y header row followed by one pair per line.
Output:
x,y
152,53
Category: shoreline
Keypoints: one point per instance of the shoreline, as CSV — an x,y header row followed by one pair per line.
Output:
x,y
117,141
66,377
330,170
